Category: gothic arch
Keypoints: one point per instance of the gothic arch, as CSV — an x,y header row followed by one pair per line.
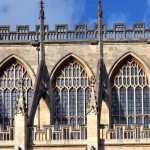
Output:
x,y
70,80
129,89
12,70
22,61
124,57
68,57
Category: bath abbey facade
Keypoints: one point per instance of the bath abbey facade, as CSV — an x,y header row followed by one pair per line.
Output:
x,y
75,89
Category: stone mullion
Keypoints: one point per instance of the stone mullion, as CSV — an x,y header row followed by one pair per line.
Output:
x,y
61,106
84,105
76,117
72,76
129,74
11,106
9,101
126,89
118,92
142,98
68,115
138,72
134,105
15,78
127,105
26,96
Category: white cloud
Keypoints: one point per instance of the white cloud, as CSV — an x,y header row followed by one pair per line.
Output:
x,y
26,11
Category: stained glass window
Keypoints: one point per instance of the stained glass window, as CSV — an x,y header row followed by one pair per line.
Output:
x,y
10,77
71,94
130,95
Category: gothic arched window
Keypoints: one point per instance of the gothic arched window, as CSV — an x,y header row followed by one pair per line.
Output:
x,y
10,76
130,94
71,94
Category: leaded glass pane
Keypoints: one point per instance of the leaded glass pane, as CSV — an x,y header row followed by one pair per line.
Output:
x,y
123,101
57,111
130,101
65,102
7,107
147,121
80,102
72,102
1,106
146,100
14,97
87,96
115,102
138,100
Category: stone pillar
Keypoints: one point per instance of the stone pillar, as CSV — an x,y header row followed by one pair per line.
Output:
x,y
92,122
20,132
92,132
20,122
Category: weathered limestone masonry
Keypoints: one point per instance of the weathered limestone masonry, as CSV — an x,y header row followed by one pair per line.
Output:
x,y
82,45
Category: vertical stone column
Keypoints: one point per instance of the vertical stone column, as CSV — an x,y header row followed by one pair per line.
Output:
x,y
92,132
20,132
20,122
92,122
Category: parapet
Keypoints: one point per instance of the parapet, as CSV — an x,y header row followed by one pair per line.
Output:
x,y
119,32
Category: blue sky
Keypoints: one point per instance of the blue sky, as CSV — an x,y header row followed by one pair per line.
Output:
x,y
13,12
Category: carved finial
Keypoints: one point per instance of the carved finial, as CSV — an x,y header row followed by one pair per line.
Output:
x,y
100,11
100,20
20,102
42,13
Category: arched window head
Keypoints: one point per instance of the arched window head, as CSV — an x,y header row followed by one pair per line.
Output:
x,y
130,94
71,94
11,73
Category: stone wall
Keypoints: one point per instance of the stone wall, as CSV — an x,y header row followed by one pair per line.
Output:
x,y
87,53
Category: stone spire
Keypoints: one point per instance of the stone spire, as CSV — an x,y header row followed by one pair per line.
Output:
x,y
100,67
100,27
42,30
100,46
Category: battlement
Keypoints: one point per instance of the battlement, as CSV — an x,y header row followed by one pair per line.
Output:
x,y
119,32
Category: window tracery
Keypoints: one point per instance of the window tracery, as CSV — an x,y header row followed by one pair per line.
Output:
x,y
10,76
130,95
71,95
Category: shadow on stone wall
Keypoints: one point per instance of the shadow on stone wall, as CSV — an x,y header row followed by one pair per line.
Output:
x,y
101,145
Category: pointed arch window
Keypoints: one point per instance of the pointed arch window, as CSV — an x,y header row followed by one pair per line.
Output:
x,y
71,94
130,94
10,76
